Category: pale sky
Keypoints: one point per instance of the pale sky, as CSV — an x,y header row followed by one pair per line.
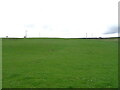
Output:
x,y
58,18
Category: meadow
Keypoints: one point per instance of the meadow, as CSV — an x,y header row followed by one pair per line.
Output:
x,y
59,63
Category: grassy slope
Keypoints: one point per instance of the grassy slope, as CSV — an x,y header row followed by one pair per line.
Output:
x,y
62,63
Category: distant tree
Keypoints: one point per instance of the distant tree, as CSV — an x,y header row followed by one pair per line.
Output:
x,y
100,37
24,36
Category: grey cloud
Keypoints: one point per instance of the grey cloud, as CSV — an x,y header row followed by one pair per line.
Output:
x,y
112,30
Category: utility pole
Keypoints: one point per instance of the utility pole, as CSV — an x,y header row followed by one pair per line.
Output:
x,y
86,35
92,35
25,34
39,34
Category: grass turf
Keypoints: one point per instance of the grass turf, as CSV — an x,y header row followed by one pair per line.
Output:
x,y
60,63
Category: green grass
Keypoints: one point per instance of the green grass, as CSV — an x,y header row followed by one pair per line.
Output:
x,y
0,63
60,63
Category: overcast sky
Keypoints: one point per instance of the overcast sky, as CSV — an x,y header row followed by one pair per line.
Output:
x,y
58,18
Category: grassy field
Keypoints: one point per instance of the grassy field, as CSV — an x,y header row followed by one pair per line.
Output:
x,y
0,63
60,63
